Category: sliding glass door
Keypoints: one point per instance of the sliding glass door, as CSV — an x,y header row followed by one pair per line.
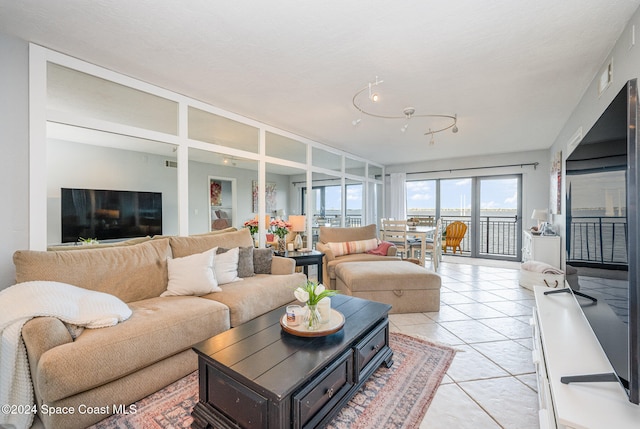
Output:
x,y
498,220
489,206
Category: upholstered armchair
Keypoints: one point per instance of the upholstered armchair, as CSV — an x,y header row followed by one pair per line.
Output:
x,y
350,245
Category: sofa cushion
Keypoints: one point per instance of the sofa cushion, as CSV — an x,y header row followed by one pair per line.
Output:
x,y
159,328
225,266
262,261
192,275
245,260
131,273
257,295
185,246
350,247
335,235
356,257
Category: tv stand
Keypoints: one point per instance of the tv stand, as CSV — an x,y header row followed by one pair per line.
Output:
x,y
564,344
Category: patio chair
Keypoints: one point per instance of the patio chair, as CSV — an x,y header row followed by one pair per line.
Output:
x,y
455,232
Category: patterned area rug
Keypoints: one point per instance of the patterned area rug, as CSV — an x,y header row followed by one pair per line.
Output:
x,y
397,397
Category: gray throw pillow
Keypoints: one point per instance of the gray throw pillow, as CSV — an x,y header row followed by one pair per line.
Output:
x,y
262,261
245,260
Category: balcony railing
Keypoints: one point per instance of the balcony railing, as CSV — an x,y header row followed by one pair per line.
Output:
x,y
498,234
600,240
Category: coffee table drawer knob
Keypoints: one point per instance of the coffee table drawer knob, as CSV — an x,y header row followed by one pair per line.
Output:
x,y
330,392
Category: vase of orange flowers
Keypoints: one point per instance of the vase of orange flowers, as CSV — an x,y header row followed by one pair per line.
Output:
x,y
280,228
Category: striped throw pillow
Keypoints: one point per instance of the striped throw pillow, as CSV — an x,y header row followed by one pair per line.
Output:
x,y
349,247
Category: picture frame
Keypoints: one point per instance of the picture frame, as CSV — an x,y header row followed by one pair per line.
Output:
x,y
270,196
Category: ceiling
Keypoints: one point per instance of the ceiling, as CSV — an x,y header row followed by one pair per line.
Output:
x,y
512,71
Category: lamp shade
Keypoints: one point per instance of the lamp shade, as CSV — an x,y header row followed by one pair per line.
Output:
x,y
297,222
539,214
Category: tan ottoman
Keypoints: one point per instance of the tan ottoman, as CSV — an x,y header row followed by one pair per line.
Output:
x,y
409,288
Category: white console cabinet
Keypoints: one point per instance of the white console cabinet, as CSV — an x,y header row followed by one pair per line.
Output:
x,y
541,248
565,345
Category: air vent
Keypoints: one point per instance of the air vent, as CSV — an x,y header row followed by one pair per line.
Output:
x,y
171,164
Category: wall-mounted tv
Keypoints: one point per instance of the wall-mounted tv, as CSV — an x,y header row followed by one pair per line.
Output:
x,y
602,236
109,214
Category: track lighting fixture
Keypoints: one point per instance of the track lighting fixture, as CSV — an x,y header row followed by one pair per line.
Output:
x,y
407,112
356,122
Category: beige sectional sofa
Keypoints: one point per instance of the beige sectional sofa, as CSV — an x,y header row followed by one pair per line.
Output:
x,y
121,364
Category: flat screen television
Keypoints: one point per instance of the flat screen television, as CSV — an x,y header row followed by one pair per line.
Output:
x,y
602,220
109,214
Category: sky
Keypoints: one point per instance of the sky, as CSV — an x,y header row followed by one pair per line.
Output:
x,y
456,193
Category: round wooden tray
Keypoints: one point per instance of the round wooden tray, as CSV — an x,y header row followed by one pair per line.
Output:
x,y
335,324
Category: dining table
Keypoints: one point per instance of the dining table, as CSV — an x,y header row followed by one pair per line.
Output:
x,y
421,233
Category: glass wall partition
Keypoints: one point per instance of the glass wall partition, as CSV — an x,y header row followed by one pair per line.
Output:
x,y
128,134
211,128
84,95
354,167
117,188
284,198
282,147
354,192
219,190
326,160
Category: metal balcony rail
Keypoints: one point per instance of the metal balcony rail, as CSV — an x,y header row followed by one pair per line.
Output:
x,y
598,240
498,234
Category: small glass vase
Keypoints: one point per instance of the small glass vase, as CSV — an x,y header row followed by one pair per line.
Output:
x,y
282,246
312,319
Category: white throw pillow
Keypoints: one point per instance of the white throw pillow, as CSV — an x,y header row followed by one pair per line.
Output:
x,y
192,275
225,266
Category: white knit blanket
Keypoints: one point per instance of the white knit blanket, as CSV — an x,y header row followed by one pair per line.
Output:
x,y
24,301
540,267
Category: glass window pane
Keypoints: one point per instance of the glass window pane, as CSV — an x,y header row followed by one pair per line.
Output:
x,y
421,198
229,207
90,96
354,204
375,172
455,199
355,167
328,160
285,148
215,129
132,165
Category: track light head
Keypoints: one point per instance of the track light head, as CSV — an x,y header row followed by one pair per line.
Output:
x,y
356,122
375,97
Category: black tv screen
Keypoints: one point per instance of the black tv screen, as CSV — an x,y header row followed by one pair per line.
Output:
x,y
109,214
602,234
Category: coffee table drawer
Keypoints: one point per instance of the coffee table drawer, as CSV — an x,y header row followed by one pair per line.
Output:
x,y
324,392
241,404
371,345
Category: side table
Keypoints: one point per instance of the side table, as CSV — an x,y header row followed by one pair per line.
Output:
x,y
304,259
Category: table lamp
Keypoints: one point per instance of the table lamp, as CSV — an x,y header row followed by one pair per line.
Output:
x,y
298,226
540,215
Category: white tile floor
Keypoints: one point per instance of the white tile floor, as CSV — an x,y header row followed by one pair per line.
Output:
x,y
485,315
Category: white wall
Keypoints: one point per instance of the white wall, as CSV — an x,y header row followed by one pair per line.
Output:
x,y
14,162
535,181
626,66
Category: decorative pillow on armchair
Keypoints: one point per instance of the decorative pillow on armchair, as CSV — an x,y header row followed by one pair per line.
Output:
x,y
349,247
382,249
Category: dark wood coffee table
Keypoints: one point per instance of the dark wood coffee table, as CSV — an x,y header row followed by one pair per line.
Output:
x,y
258,376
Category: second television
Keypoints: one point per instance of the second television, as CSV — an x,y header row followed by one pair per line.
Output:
x,y
109,214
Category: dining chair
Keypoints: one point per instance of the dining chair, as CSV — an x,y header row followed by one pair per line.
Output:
x,y
431,248
454,233
395,231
